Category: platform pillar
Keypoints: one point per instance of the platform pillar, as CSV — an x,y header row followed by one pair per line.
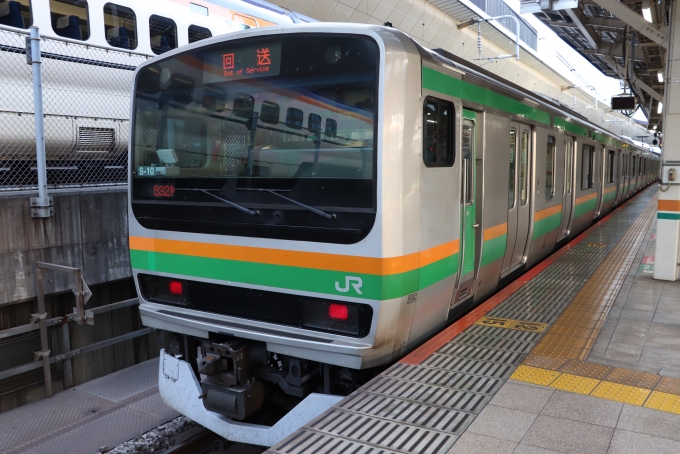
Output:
x,y
668,215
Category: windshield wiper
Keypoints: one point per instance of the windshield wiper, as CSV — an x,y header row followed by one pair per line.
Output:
x,y
307,207
235,205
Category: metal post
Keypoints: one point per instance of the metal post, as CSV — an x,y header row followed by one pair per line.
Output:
x,y
667,254
65,348
42,315
41,206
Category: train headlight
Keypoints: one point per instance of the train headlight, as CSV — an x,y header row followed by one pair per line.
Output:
x,y
164,290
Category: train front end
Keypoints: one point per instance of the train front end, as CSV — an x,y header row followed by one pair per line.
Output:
x,y
271,233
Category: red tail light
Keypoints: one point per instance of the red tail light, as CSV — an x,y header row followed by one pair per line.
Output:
x,y
176,287
338,311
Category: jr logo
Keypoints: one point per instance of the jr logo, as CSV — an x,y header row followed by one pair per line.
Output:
x,y
356,282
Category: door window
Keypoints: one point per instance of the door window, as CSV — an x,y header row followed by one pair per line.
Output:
x,y
610,166
569,160
524,168
511,181
438,147
587,167
467,152
550,168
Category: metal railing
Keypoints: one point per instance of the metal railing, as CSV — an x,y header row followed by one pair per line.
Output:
x,y
40,321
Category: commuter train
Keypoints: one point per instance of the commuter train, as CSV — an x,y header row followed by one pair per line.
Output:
x,y
310,203
87,115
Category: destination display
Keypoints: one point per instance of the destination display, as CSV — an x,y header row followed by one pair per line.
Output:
x,y
243,63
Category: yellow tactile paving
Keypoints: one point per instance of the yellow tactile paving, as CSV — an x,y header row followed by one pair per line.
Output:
x,y
633,378
535,375
586,369
575,384
544,362
621,393
664,402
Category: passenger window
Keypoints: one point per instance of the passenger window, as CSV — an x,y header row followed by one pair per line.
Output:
x,y
244,106
524,168
294,118
197,33
120,26
70,19
550,169
163,33
438,146
466,155
511,181
587,167
610,166
16,13
331,127
270,112
314,123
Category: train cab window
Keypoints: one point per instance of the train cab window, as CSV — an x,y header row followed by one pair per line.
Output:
x,y
511,181
16,13
550,168
294,118
467,145
163,33
610,166
270,111
70,19
524,168
120,26
587,167
331,127
438,147
197,33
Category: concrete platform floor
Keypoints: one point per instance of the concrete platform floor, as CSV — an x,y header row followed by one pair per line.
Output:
x,y
102,412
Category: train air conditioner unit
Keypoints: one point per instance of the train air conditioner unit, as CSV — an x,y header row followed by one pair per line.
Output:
x,y
91,140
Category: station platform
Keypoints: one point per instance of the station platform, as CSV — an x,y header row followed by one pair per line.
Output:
x,y
579,355
101,413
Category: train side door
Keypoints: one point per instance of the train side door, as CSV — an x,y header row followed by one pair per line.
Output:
x,y
469,245
568,193
519,208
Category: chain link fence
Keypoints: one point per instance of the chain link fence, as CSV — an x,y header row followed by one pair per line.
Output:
x,y
86,101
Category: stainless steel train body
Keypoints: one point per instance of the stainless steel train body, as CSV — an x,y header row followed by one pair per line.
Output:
x,y
92,51
461,182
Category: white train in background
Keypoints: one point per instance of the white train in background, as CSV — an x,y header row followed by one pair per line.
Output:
x,y
91,51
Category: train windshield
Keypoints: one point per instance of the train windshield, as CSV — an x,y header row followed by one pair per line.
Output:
x,y
245,122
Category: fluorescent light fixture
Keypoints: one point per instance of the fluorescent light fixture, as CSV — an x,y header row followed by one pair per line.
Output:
x,y
659,108
647,14
659,76
654,127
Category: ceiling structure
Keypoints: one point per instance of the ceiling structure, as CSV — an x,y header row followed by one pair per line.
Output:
x,y
626,47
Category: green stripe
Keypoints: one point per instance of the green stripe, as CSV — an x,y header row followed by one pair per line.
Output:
x,y
571,127
669,216
469,114
585,207
296,278
547,225
494,249
608,196
442,83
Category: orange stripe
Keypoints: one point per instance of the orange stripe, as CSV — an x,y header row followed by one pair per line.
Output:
x,y
335,262
613,188
548,212
585,198
496,231
669,205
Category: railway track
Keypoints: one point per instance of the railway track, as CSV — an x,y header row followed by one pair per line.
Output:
x,y
199,440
